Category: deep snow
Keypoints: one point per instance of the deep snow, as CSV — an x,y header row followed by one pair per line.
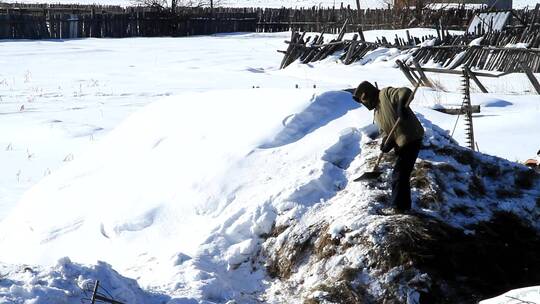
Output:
x,y
69,111
181,194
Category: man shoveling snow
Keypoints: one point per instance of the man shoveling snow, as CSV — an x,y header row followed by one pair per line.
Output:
x,y
402,132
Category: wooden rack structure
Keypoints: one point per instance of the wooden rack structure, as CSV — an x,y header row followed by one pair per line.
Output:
x,y
515,49
309,50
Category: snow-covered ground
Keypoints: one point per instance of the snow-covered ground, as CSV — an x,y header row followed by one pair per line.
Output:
x,y
55,104
217,142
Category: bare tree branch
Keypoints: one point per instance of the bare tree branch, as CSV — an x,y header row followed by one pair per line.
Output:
x,y
153,3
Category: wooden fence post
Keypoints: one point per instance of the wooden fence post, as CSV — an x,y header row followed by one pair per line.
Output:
x,y
423,76
406,72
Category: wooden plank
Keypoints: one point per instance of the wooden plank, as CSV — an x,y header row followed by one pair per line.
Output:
x,y
289,50
361,33
406,72
531,77
459,111
475,79
423,76
350,52
457,72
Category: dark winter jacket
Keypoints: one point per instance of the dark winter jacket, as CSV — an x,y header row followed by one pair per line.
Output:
x,y
409,129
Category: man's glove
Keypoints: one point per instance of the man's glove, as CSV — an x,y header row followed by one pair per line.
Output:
x,y
385,148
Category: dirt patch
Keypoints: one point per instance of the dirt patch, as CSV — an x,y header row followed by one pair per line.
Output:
x,y
476,186
490,170
277,230
349,273
325,246
501,255
284,262
405,237
299,247
339,292
457,267
526,179
420,253
435,182
420,175
423,179
506,192
463,156
462,209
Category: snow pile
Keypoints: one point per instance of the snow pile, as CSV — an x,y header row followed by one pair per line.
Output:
x,y
261,207
521,45
385,56
348,249
428,42
152,177
68,282
522,295
226,192
144,192
476,41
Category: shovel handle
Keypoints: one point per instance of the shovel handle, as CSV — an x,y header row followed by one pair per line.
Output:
x,y
412,95
379,158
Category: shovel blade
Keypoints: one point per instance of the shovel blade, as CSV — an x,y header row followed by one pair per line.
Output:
x,y
368,175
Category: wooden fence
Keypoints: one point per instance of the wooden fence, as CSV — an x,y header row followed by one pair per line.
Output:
x,y
19,21
96,22
331,20
514,49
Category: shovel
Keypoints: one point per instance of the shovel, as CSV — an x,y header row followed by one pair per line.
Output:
x,y
373,174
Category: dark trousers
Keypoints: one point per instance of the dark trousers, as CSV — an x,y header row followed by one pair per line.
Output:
x,y
401,185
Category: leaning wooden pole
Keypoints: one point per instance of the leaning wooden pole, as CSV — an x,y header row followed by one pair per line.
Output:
x,y
475,79
531,76
423,78
406,72
358,13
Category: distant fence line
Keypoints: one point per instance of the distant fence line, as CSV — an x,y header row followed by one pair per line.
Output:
x,y
24,21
